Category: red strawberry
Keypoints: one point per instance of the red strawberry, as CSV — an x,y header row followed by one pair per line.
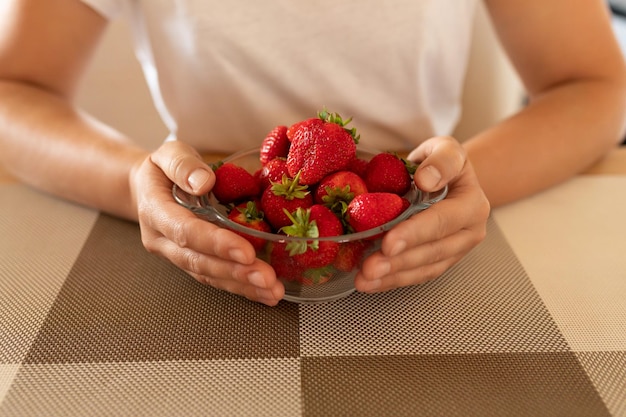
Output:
x,y
320,146
317,221
287,267
316,276
327,223
284,264
388,173
275,144
287,195
339,186
233,183
371,210
358,166
247,214
350,255
273,171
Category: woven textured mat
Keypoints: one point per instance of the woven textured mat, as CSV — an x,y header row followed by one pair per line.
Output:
x,y
118,331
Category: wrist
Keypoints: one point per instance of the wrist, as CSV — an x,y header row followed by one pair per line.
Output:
x,y
137,161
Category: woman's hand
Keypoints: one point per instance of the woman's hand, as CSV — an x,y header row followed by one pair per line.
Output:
x,y
212,255
427,244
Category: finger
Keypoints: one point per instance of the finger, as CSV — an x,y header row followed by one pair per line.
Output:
x,y
257,273
184,166
256,281
186,230
466,208
269,296
445,251
401,279
441,159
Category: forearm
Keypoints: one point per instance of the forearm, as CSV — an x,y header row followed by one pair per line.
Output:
x,y
559,134
48,144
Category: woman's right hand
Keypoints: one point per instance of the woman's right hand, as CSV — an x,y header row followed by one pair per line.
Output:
x,y
210,254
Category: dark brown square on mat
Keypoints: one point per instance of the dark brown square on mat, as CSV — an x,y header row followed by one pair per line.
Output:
x,y
120,303
545,384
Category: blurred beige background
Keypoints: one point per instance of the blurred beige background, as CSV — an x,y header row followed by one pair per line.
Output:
x,y
114,89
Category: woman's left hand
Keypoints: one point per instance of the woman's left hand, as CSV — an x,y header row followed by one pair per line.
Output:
x,y
430,242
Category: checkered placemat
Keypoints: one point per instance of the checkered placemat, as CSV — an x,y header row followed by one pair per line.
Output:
x,y
92,324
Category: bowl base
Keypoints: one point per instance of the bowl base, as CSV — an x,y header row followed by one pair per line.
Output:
x,y
317,300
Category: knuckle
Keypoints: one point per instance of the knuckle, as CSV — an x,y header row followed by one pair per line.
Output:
x,y
435,272
437,252
459,158
179,234
431,272
442,224
205,280
149,241
485,207
481,235
150,245
176,166
193,263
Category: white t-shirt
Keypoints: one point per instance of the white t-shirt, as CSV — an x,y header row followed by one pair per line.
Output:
x,y
223,74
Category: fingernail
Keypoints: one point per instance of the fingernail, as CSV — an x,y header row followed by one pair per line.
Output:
x,y
429,177
237,255
256,278
397,247
381,269
265,294
372,286
198,178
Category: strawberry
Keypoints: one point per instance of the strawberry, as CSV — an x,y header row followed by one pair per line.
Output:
x,y
316,221
370,210
284,264
320,146
387,172
341,186
275,144
247,214
287,195
350,255
358,166
316,276
287,267
233,183
273,171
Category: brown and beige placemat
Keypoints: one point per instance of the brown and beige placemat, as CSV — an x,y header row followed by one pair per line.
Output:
x,y
92,324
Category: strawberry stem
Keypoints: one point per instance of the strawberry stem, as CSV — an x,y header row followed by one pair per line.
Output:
x,y
329,117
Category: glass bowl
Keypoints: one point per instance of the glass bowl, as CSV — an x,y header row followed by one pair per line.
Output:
x,y
332,282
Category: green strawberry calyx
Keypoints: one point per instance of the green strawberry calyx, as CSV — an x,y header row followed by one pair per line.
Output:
x,y
290,188
251,212
318,275
337,199
215,165
329,117
410,166
301,226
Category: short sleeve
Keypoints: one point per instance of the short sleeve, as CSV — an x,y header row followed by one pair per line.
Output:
x,y
107,8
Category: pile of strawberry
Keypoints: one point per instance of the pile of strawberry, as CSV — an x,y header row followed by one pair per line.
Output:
x,y
312,184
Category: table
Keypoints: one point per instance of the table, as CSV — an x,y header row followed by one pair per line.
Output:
x,y
531,323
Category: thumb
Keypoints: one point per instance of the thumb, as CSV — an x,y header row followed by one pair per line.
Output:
x,y
441,159
184,166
